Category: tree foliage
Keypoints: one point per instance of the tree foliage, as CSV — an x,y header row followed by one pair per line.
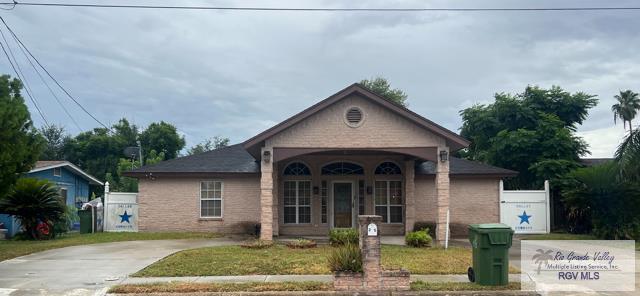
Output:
x,y
118,182
531,132
626,108
162,137
628,156
382,87
32,201
55,140
20,142
216,142
599,195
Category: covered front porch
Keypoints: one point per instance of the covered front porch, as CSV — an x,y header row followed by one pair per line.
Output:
x,y
313,190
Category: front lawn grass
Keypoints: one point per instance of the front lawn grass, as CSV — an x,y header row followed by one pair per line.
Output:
x,y
16,248
234,260
558,236
181,287
454,286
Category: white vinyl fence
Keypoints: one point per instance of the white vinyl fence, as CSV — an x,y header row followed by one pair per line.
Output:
x,y
120,211
526,211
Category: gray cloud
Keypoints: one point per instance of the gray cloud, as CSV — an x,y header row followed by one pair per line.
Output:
x,y
237,73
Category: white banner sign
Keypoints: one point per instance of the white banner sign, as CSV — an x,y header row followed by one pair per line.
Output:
x,y
578,265
121,212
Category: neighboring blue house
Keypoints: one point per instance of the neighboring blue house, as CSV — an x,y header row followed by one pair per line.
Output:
x,y
72,181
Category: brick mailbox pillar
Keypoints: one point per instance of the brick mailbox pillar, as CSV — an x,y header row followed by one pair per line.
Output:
x,y
370,249
373,277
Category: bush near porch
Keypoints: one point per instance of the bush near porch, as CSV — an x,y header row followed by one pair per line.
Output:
x,y
234,260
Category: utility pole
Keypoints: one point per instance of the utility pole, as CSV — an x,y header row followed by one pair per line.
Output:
x,y
140,151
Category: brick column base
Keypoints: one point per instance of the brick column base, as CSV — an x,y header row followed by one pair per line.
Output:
x,y
373,277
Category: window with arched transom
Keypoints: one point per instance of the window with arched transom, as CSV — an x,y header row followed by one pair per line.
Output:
x,y
342,168
388,168
297,169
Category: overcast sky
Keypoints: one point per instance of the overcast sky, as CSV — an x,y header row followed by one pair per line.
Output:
x,y
235,74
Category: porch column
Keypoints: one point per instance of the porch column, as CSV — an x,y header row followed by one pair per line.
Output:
x,y
409,192
276,204
266,194
442,194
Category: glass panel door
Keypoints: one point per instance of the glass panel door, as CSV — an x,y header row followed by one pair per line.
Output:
x,y
342,205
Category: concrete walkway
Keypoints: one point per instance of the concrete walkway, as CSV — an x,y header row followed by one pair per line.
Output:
x,y
87,269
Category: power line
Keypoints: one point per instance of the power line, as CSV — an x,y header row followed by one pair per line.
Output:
x,y
51,76
45,82
319,9
26,88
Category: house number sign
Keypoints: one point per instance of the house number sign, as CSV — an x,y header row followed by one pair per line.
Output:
x,y
372,230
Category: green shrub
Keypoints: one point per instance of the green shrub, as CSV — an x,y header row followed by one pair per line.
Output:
x,y
301,243
339,237
345,258
612,203
32,201
428,225
418,239
64,225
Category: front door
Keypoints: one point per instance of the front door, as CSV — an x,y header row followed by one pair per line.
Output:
x,y
342,204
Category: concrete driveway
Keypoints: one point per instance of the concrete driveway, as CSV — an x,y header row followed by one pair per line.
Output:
x,y
87,269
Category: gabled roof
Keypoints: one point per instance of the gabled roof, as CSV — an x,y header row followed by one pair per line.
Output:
x,y
236,160
44,165
454,140
231,159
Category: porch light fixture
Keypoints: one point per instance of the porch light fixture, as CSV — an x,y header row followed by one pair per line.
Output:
x,y
369,190
266,156
316,190
444,156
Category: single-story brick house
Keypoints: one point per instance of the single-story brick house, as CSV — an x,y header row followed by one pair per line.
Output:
x,y
352,153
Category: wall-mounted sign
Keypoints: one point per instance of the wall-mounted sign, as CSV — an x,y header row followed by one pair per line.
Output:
x,y
372,230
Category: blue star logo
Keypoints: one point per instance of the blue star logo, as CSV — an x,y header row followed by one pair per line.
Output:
x,y
125,217
524,217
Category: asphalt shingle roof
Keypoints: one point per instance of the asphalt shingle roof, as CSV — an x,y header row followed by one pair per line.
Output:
x,y
459,166
235,159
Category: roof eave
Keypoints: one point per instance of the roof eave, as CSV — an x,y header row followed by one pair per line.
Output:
x,y
91,179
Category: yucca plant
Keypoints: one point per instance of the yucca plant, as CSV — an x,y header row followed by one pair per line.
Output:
x,y
346,258
36,204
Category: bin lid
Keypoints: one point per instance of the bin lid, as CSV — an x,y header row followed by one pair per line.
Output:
x,y
492,226
489,227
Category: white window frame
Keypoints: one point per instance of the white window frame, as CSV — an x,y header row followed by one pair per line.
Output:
x,y
221,199
59,174
388,204
297,206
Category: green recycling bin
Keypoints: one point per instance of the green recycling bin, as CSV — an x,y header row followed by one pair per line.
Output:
x,y
490,244
86,221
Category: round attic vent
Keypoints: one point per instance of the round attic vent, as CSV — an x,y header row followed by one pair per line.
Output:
x,y
354,116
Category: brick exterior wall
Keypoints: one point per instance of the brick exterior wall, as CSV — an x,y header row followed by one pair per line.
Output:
x,y
173,204
381,128
472,200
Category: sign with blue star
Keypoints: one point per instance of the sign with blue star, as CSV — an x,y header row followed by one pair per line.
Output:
x,y
524,217
125,217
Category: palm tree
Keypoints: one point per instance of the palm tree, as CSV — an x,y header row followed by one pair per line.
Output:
x,y
628,156
626,108
34,202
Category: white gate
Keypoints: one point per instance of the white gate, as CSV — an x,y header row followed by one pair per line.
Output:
x,y
526,211
120,211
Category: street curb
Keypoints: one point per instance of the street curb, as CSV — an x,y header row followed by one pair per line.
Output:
x,y
345,293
